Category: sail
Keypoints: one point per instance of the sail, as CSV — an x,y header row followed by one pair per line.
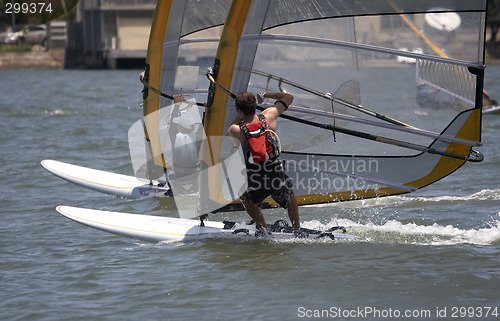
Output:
x,y
356,128
180,151
183,41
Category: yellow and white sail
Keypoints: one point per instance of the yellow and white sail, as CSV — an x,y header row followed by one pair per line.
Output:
x,y
356,128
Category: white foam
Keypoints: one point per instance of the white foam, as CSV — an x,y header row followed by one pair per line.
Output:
x,y
55,112
483,195
394,231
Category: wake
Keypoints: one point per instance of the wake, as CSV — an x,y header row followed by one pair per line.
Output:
x,y
394,231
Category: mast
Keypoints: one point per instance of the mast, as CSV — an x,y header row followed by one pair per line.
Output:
x,y
217,101
156,164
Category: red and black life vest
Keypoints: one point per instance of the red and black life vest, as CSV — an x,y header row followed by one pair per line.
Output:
x,y
261,144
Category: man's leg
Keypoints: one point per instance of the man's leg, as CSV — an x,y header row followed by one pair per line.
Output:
x,y
256,214
293,213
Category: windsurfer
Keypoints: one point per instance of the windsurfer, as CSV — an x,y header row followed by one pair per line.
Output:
x,y
265,172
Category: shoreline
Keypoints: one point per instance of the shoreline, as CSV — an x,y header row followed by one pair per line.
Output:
x,y
55,59
35,59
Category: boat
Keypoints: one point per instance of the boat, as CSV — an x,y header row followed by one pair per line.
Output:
x,y
441,23
351,133
491,108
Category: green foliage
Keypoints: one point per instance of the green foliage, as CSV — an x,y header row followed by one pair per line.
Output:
x,y
15,48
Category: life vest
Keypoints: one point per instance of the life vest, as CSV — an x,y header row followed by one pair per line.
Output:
x,y
261,144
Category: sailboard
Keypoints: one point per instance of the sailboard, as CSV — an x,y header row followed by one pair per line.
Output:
x,y
152,228
354,130
106,182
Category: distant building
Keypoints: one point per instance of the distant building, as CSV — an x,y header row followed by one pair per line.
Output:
x,y
116,32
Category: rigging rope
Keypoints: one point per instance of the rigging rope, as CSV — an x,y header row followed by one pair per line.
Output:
x,y
277,138
212,80
158,92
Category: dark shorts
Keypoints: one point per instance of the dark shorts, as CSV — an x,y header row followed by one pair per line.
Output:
x,y
268,179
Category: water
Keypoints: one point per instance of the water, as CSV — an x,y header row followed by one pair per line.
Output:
x,y
432,254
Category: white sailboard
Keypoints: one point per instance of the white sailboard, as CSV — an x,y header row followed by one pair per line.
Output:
x,y
106,182
159,229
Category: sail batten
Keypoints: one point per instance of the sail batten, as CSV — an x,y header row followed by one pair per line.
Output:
x,y
371,48
412,130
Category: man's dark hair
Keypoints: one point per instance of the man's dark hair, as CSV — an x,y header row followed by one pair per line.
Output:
x,y
246,103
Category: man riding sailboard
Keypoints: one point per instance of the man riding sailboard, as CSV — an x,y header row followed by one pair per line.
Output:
x,y
265,172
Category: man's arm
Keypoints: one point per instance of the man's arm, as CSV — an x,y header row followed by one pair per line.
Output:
x,y
272,113
234,131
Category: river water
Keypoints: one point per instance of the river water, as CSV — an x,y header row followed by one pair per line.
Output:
x,y
430,255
